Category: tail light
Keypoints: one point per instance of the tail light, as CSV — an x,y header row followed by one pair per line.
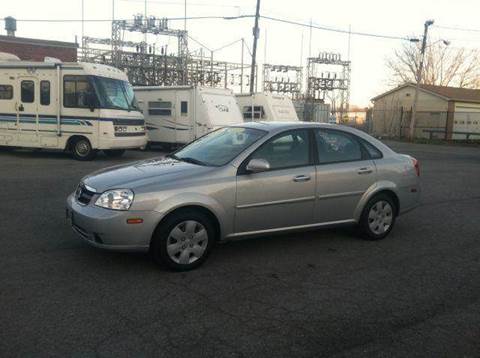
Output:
x,y
416,165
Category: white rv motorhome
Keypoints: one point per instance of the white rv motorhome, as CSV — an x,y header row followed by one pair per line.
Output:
x,y
266,107
178,115
80,107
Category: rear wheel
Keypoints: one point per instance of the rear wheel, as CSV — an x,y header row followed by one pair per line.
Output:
x,y
378,217
184,241
114,153
82,149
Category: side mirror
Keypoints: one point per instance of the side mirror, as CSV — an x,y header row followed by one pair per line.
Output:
x,y
257,166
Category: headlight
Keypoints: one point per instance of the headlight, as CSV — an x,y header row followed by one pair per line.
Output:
x,y
117,199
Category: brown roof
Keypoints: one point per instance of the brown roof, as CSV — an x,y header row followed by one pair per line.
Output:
x,y
454,93
448,93
29,41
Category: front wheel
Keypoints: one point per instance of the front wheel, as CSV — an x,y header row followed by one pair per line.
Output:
x,y
378,217
82,149
114,153
184,241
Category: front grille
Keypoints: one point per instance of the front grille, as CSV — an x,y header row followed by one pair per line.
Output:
x,y
83,195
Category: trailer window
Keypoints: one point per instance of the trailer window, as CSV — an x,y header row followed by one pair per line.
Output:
x,y
160,108
184,108
258,112
45,93
27,91
6,92
77,91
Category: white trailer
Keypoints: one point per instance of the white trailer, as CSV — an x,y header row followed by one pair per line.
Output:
x,y
178,115
80,107
266,107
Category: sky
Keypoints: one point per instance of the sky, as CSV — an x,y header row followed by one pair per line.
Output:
x,y
279,43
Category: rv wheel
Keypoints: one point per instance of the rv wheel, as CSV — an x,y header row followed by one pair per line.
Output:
x,y
82,149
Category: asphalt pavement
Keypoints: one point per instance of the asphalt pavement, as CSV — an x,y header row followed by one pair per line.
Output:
x,y
315,294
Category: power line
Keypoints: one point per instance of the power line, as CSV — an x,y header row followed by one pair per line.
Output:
x,y
109,20
456,28
181,3
325,28
286,21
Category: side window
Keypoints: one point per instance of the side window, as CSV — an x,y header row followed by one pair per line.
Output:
x,y
6,92
258,112
335,146
372,151
290,149
184,108
27,91
45,93
160,108
76,91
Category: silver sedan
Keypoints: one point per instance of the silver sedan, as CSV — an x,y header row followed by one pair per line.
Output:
x,y
251,179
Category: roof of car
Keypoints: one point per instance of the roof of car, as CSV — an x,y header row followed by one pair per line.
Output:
x,y
273,125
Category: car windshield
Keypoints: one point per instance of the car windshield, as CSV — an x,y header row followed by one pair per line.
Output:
x,y
115,94
219,147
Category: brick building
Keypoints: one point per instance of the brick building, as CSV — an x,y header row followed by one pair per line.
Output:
x,y
36,50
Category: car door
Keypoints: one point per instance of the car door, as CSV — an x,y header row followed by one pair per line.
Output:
x,y
344,173
284,195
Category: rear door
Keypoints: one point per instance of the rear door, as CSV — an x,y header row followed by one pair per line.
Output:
x,y
27,110
184,117
344,173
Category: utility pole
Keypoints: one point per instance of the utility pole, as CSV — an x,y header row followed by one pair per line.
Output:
x,y
427,24
241,69
185,18
256,33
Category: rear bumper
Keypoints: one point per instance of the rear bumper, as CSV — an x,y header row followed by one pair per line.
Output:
x,y
108,229
409,198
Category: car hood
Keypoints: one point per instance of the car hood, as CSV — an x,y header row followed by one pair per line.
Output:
x,y
134,175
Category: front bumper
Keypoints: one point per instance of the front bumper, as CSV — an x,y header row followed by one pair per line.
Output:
x,y
108,229
139,141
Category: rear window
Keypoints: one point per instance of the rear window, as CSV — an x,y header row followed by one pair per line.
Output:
x,y
372,151
6,92
159,108
44,93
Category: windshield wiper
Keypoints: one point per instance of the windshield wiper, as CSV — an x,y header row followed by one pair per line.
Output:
x,y
192,160
172,156
186,159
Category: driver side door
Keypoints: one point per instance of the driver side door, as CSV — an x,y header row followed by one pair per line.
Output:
x,y
284,195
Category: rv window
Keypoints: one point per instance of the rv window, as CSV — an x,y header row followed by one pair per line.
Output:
x,y
258,112
76,91
6,92
160,108
45,93
184,108
28,91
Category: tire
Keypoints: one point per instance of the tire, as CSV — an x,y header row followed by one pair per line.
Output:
x,y
183,241
378,217
82,149
114,153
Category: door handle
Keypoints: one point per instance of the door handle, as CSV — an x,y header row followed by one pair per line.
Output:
x,y
366,170
301,178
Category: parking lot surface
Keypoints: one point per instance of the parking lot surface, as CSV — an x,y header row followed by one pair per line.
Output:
x,y
322,293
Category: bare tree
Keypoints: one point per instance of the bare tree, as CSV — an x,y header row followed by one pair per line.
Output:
x,y
443,65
